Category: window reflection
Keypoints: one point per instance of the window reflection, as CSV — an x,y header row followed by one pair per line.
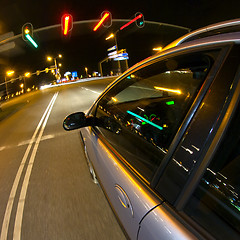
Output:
x,y
216,202
149,106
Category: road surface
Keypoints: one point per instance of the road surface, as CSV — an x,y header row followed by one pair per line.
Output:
x,y
46,191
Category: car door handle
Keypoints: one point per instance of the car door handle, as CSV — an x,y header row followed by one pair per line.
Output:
x,y
123,198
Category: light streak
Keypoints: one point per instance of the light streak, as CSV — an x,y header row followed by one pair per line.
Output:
x,y
145,120
30,39
130,22
101,21
169,90
110,36
66,25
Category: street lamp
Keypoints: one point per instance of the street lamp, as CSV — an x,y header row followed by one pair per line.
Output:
x,y
114,35
157,49
110,36
86,69
8,73
27,74
57,74
23,85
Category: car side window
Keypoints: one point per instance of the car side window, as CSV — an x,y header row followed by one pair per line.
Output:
x,y
216,202
143,112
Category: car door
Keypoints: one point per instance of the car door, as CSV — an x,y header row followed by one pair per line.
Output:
x,y
200,183
141,116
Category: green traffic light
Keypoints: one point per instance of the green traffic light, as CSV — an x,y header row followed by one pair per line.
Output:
x,y
30,39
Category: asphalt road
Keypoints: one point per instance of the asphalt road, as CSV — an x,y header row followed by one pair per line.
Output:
x,y
46,191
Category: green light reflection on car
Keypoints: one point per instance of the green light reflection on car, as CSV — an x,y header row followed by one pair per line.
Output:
x,y
170,103
145,120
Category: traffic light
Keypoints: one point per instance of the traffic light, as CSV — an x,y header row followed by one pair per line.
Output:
x,y
27,34
140,20
67,24
106,20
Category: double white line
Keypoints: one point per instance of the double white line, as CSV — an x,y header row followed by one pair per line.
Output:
x,y
21,201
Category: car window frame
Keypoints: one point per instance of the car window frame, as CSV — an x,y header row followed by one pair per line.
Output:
x,y
229,109
218,135
215,139
224,49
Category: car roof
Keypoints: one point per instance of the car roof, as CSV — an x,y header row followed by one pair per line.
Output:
x,y
225,38
211,30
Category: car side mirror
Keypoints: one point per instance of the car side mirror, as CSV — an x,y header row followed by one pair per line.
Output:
x,y
76,120
79,120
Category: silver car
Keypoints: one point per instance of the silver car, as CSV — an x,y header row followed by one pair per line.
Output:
x,y
163,141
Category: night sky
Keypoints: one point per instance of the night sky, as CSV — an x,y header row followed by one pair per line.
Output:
x,y
86,48
187,13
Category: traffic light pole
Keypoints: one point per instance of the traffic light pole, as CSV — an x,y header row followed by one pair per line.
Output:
x,y
24,84
115,39
57,73
6,85
100,65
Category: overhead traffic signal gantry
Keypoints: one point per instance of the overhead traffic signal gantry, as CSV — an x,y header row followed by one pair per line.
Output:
x,y
67,23
106,20
27,34
138,19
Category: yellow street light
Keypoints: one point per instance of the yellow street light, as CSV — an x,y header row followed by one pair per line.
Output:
x,y
114,35
157,49
21,85
27,74
10,73
49,58
57,72
110,36
59,64
86,70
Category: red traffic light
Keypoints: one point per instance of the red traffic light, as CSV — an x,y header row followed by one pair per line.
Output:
x,y
106,20
133,20
67,23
